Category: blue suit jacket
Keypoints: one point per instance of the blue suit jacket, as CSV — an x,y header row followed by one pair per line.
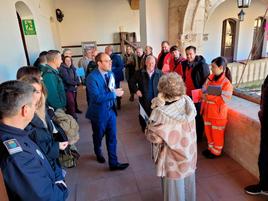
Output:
x,y
100,99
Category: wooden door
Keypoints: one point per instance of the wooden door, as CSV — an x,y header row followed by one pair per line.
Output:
x,y
228,39
258,38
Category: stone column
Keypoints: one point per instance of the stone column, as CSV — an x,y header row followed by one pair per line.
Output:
x,y
153,23
186,23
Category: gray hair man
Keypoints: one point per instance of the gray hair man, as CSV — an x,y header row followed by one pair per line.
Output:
x,y
144,85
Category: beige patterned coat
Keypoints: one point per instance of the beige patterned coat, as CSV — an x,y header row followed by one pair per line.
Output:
x,y
172,131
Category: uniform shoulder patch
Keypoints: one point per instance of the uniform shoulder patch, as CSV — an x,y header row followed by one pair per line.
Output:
x,y
12,146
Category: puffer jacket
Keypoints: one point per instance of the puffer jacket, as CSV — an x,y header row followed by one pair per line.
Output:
x,y
68,124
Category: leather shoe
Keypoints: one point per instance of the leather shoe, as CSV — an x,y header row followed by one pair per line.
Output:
x,y
119,166
100,159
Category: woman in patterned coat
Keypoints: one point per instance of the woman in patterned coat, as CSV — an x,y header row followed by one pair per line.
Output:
x,y
172,132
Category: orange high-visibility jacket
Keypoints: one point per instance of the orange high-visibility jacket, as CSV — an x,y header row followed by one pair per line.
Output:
x,y
215,107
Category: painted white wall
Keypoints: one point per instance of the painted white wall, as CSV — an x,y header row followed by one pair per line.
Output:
x,y
96,20
213,27
154,21
11,49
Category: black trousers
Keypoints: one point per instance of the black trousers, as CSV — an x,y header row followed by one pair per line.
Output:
x,y
263,157
199,122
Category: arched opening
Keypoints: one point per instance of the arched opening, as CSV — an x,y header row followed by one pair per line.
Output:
x,y
28,31
23,39
258,37
229,29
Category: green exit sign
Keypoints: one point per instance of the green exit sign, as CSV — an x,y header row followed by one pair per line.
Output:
x,y
28,27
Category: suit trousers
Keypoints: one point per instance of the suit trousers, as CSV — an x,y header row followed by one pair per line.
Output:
x,y
70,106
263,157
199,122
108,128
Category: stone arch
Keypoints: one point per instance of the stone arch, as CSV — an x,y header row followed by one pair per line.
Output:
x,y
23,9
31,44
186,22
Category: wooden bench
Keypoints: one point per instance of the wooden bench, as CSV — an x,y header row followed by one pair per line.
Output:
x,y
3,192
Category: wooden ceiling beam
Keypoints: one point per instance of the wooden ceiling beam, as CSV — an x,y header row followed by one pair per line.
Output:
x,y
134,4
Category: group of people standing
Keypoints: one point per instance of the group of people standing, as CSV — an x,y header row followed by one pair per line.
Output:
x,y
180,98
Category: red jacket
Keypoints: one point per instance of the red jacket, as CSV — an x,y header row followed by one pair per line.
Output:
x,y
167,60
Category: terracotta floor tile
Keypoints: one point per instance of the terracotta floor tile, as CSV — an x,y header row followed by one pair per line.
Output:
x,y
141,162
221,187
121,185
201,194
154,194
130,197
147,179
205,168
217,180
92,191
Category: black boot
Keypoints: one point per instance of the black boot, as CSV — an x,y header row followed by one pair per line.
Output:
x,y
118,101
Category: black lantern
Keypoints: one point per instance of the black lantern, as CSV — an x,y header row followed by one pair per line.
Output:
x,y
59,15
241,15
243,3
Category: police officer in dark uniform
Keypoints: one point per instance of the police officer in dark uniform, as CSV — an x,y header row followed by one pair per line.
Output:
x,y
27,174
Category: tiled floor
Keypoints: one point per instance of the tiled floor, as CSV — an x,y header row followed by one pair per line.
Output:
x,y
217,180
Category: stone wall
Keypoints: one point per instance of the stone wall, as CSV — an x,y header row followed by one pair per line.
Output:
x,y
242,136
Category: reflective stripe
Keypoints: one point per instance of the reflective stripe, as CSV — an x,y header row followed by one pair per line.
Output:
x,y
210,145
215,151
210,102
218,127
226,96
227,93
225,99
207,123
218,147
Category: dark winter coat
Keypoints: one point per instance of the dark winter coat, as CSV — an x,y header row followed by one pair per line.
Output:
x,y
69,77
200,71
140,81
43,137
117,67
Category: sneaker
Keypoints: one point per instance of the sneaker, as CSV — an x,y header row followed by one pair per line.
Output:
x,y
255,190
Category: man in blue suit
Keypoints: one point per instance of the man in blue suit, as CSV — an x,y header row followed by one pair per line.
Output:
x,y
102,111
